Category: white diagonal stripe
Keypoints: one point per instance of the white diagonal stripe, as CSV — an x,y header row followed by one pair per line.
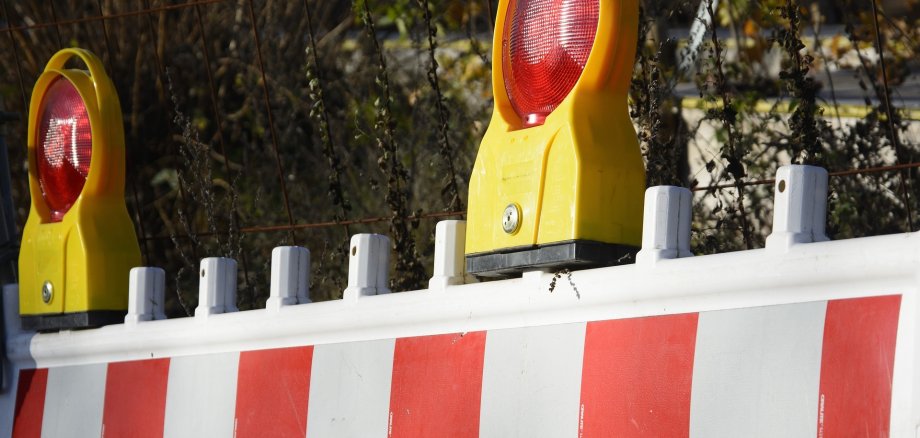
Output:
x,y
74,401
201,396
756,372
350,389
531,382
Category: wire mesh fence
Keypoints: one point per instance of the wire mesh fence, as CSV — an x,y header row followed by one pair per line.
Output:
x,y
256,123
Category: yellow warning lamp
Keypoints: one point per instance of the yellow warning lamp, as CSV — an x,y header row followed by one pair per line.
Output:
x,y
559,178
78,244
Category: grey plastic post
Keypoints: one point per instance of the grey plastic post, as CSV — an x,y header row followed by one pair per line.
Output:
x,y
216,287
290,282
449,260
146,295
368,266
800,206
665,224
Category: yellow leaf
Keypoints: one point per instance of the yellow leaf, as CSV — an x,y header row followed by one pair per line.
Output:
x,y
751,29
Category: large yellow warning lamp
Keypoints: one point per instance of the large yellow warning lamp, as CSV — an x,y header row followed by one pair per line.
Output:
x,y
78,244
559,178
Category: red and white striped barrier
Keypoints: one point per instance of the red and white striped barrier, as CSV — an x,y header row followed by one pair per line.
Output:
x,y
808,369
802,338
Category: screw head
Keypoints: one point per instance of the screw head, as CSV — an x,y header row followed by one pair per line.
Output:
x,y
511,218
47,292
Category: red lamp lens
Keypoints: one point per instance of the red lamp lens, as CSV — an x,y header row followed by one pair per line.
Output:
x,y
65,147
544,51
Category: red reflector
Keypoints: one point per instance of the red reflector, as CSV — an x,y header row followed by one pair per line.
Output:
x,y
544,51
65,147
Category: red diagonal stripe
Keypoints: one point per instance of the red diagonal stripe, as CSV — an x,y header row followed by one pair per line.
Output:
x,y
30,403
273,392
135,398
856,366
437,383
636,377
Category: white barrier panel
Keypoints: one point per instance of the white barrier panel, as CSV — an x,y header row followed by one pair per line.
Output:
x,y
780,370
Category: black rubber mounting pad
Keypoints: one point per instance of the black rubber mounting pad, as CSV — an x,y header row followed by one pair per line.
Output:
x,y
579,254
75,320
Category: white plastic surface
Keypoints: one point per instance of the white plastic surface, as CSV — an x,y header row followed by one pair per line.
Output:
x,y
799,206
449,259
357,371
665,224
206,387
767,376
544,400
368,266
290,281
146,295
216,287
75,397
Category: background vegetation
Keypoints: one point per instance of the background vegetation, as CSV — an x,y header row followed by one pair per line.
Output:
x,y
244,117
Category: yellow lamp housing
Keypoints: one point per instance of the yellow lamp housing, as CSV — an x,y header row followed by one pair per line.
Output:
x,y
76,253
566,192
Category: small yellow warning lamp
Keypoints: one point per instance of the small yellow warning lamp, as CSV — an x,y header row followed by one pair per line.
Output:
x,y
559,178
78,244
